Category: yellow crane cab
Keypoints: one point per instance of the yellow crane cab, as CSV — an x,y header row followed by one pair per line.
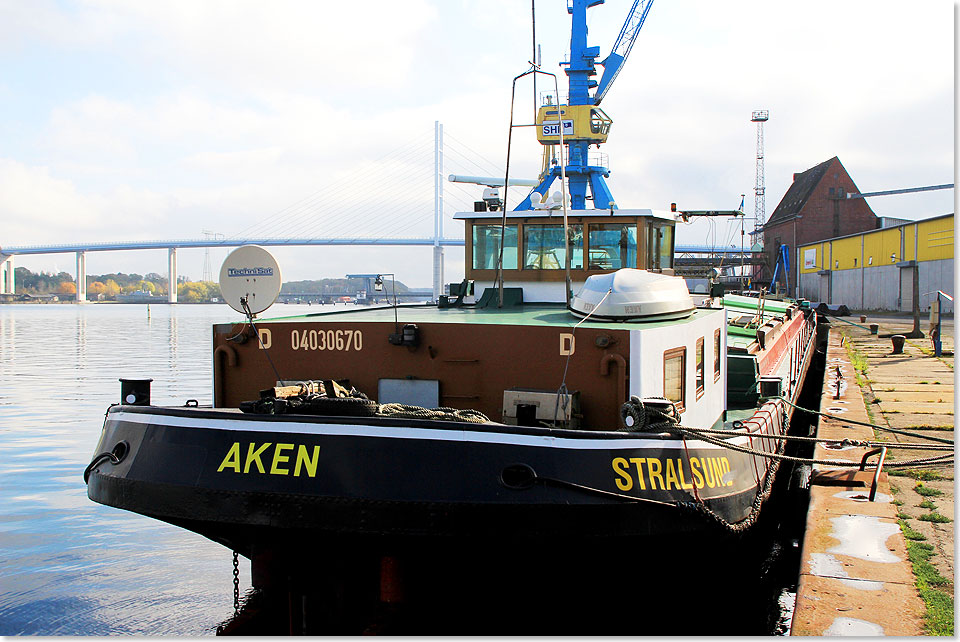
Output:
x,y
580,123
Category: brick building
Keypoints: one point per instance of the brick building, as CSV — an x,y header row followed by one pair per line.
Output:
x,y
816,207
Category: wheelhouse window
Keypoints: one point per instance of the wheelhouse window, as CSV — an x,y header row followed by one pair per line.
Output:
x,y
660,247
544,247
716,355
674,373
612,246
666,246
486,247
700,367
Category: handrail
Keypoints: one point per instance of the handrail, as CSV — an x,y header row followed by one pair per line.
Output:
x,y
876,475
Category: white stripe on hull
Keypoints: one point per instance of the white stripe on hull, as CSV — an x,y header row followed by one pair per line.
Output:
x,y
391,432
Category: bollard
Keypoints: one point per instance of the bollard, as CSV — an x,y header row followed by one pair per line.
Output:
x,y
874,328
863,318
135,392
898,340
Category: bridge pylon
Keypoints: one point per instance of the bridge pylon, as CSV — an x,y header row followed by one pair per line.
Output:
x,y
81,277
172,275
8,281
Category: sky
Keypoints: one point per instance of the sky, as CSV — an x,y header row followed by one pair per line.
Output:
x,y
127,120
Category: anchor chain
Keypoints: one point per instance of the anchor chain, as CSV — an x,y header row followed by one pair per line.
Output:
x,y
763,493
236,584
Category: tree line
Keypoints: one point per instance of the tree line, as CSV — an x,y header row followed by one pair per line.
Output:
x,y
107,287
324,286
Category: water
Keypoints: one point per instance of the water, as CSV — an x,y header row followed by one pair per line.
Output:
x,y
69,566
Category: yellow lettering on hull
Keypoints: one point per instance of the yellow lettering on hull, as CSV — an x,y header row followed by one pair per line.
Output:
x,y
638,462
231,459
278,459
308,463
653,469
669,474
697,475
625,480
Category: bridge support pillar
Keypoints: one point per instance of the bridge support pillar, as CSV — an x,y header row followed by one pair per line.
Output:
x,y
8,283
81,277
172,275
437,272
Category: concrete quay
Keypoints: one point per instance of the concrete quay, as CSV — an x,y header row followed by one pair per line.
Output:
x,y
856,577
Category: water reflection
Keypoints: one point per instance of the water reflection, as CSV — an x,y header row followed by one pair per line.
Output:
x,y
69,566
81,337
172,342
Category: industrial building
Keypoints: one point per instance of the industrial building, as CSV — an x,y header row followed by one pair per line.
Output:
x,y
874,270
816,207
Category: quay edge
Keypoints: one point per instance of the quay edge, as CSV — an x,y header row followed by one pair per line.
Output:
x,y
855,575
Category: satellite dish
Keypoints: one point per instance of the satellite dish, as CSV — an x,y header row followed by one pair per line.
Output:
x,y
252,274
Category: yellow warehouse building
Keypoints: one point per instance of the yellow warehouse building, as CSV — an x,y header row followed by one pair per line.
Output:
x,y
875,270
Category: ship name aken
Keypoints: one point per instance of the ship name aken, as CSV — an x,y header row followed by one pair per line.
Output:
x,y
259,459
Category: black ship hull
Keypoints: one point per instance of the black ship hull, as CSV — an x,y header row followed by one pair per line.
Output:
x,y
254,483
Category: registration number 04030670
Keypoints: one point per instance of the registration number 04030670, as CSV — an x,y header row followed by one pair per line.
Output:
x,y
342,340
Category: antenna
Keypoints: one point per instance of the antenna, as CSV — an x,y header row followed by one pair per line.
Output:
x,y
250,279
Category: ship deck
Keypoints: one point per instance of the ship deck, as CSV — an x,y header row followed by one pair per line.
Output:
x,y
526,314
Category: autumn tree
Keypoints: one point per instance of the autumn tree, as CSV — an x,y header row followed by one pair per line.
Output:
x,y
111,289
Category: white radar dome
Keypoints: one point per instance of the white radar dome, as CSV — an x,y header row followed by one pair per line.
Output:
x,y
634,295
250,274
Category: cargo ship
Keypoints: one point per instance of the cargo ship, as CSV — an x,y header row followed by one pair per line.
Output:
x,y
566,402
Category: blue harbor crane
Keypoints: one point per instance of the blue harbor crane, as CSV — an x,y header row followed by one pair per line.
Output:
x,y
583,122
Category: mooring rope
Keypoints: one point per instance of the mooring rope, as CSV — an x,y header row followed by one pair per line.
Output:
x,y
864,423
702,434
404,411
846,441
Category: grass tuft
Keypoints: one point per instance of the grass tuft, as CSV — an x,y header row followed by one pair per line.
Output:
x,y
921,475
939,615
909,533
926,491
935,517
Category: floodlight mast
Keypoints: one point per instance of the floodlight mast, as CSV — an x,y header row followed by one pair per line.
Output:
x,y
759,201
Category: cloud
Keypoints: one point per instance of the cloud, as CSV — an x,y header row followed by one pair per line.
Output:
x,y
250,46
132,119
36,207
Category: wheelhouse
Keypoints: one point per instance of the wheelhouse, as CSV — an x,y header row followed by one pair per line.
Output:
x,y
535,251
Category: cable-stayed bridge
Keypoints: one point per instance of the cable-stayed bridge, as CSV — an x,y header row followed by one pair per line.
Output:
x,y
396,214
7,254
383,202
